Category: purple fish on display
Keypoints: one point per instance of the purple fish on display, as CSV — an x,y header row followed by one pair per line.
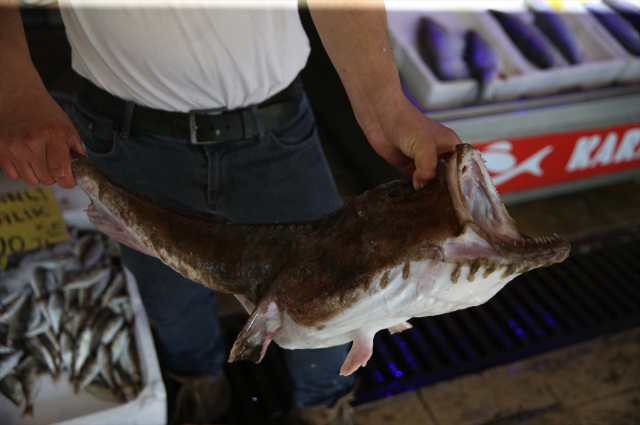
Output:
x,y
628,10
532,46
483,60
557,31
618,27
442,50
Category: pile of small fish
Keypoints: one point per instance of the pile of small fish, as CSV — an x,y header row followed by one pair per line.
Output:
x,y
65,308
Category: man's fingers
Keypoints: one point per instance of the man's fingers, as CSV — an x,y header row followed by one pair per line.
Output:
x,y
38,163
76,145
60,165
25,171
9,169
447,141
426,161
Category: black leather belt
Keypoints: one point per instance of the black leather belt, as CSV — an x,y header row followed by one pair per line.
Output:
x,y
200,127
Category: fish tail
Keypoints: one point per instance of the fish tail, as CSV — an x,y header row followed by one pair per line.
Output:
x,y
28,410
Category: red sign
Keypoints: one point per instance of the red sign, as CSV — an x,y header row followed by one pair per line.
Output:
x,y
541,160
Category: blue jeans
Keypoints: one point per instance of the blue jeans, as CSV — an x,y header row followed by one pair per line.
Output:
x,y
279,175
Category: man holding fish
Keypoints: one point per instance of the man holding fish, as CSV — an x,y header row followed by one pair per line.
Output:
x,y
195,107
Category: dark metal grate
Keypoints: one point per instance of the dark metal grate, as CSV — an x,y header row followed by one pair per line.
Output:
x,y
594,292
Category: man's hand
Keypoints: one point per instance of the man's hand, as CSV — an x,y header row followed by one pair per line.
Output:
x,y
35,133
354,33
408,140
35,138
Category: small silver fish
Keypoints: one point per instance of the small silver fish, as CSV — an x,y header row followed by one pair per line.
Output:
x,y
42,354
7,313
69,296
55,306
50,281
84,298
116,286
11,387
89,371
93,254
53,340
29,379
66,350
106,366
8,363
129,364
53,347
111,328
34,317
38,330
87,279
81,350
124,384
7,299
119,344
98,288
5,349
102,391
37,281
79,319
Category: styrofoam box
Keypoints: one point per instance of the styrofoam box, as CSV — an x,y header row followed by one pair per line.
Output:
x,y
55,402
601,66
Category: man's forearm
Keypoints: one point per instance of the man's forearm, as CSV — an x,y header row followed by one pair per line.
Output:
x,y
354,33
15,60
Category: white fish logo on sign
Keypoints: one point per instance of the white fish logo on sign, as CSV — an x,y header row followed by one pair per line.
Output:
x,y
504,165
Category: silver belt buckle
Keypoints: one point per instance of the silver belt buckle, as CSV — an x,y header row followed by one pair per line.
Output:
x,y
193,127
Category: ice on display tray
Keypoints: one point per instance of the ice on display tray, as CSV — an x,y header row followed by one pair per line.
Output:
x,y
56,403
604,61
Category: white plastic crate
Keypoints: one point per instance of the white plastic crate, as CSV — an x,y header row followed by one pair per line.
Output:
x,y
55,402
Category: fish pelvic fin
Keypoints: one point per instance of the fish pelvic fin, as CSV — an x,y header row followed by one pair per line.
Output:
x,y
257,333
360,352
399,328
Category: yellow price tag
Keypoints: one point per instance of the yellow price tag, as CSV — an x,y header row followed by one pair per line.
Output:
x,y
29,219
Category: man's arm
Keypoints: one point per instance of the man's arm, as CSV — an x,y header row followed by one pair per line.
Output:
x,y
354,33
35,133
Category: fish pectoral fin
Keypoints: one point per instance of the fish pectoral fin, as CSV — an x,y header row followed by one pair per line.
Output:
x,y
360,352
257,333
399,328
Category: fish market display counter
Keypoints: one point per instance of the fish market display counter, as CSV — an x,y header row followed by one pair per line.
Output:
x,y
478,58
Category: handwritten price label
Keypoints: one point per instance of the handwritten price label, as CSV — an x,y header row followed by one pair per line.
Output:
x,y
29,219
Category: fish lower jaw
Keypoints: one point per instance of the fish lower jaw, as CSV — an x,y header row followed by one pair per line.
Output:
x,y
534,241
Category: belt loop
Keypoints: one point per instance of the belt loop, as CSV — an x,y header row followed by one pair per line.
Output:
x,y
259,125
126,120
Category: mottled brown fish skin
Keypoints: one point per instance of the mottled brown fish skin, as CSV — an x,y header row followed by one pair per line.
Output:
x,y
321,267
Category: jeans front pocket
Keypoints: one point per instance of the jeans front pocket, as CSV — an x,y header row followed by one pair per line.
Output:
x,y
99,135
298,131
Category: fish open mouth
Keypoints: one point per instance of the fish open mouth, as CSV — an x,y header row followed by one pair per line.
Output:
x,y
477,200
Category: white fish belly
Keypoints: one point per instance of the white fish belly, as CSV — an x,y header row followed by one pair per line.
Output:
x,y
427,291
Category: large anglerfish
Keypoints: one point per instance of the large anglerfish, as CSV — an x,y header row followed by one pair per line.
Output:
x,y
388,255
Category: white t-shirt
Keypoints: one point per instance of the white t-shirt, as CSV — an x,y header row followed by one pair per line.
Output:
x,y
180,55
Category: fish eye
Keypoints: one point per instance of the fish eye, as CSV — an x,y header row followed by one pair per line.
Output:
x,y
394,193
